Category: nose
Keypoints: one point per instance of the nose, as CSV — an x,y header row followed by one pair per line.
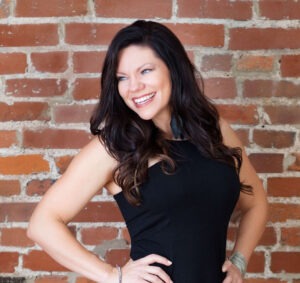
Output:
x,y
135,84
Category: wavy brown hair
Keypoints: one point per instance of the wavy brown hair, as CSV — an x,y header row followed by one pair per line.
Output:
x,y
131,140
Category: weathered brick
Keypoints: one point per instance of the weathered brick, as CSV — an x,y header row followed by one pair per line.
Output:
x,y
13,63
263,280
52,62
36,87
271,88
274,139
52,279
295,166
134,9
251,63
38,187
284,187
283,114
4,8
88,62
279,9
290,236
264,38
55,138
285,262
23,164
239,114
116,256
15,237
225,9
282,212
16,212
62,162
24,111
96,236
73,113
86,88
220,88
8,261
256,263
290,65
267,162
125,235
28,35
9,187
8,138
53,8
216,62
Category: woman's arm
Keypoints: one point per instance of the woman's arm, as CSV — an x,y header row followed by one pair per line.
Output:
x,y
89,171
252,207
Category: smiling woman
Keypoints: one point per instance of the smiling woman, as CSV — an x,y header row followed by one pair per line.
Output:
x,y
175,168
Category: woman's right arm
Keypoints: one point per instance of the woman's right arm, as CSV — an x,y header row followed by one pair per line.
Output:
x,y
89,171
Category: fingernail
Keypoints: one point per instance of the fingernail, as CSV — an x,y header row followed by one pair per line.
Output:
x,y
169,262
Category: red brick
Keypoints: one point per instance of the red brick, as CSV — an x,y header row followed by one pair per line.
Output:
x,y
283,114
267,162
9,188
280,212
40,261
284,187
279,9
86,88
134,9
243,135
100,212
290,65
256,263
15,237
89,33
88,62
62,163
270,88
239,114
84,280
52,279
220,88
96,236
261,280
274,139
218,62
36,87
268,238
13,63
125,235
4,8
23,164
38,187
28,35
73,113
53,8
224,9
55,138
290,236
24,111
16,212
251,63
285,262
119,257
199,34
53,62
264,38
295,166
8,261
8,138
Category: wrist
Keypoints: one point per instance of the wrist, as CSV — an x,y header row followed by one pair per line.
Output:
x,y
238,260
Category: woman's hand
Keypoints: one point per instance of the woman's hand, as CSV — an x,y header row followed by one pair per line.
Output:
x,y
141,271
233,273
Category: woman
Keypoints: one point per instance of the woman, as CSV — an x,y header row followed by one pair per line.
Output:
x,y
176,169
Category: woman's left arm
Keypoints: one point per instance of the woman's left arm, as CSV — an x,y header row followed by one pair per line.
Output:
x,y
252,208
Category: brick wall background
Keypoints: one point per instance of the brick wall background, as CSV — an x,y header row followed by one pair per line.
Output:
x,y
50,59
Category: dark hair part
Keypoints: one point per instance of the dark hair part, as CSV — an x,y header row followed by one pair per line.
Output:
x,y
132,140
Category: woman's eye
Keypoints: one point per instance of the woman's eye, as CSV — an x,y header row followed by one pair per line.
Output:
x,y
120,78
145,71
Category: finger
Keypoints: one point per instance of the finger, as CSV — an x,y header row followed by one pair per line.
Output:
x,y
152,278
159,273
155,258
228,279
227,264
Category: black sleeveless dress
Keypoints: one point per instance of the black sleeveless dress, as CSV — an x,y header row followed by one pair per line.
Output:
x,y
184,216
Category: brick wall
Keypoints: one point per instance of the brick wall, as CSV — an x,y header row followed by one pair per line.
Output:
x,y
50,59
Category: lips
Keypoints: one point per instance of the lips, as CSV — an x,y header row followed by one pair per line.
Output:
x,y
143,99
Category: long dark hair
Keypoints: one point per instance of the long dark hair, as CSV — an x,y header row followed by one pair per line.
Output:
x,y
131,140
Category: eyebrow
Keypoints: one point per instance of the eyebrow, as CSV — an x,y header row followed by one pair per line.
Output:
x,y
138,69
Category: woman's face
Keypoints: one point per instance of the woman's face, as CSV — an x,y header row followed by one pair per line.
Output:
x,y
144,83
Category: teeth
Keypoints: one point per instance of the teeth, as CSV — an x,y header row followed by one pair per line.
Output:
x,y
143,99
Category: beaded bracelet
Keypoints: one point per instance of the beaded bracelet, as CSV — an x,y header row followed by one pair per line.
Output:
x,y
239,261
119,273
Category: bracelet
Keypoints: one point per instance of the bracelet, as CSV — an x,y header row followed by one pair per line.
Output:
x,y
119,273
239,261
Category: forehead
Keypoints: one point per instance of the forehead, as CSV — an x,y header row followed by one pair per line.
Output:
x,y
135,56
